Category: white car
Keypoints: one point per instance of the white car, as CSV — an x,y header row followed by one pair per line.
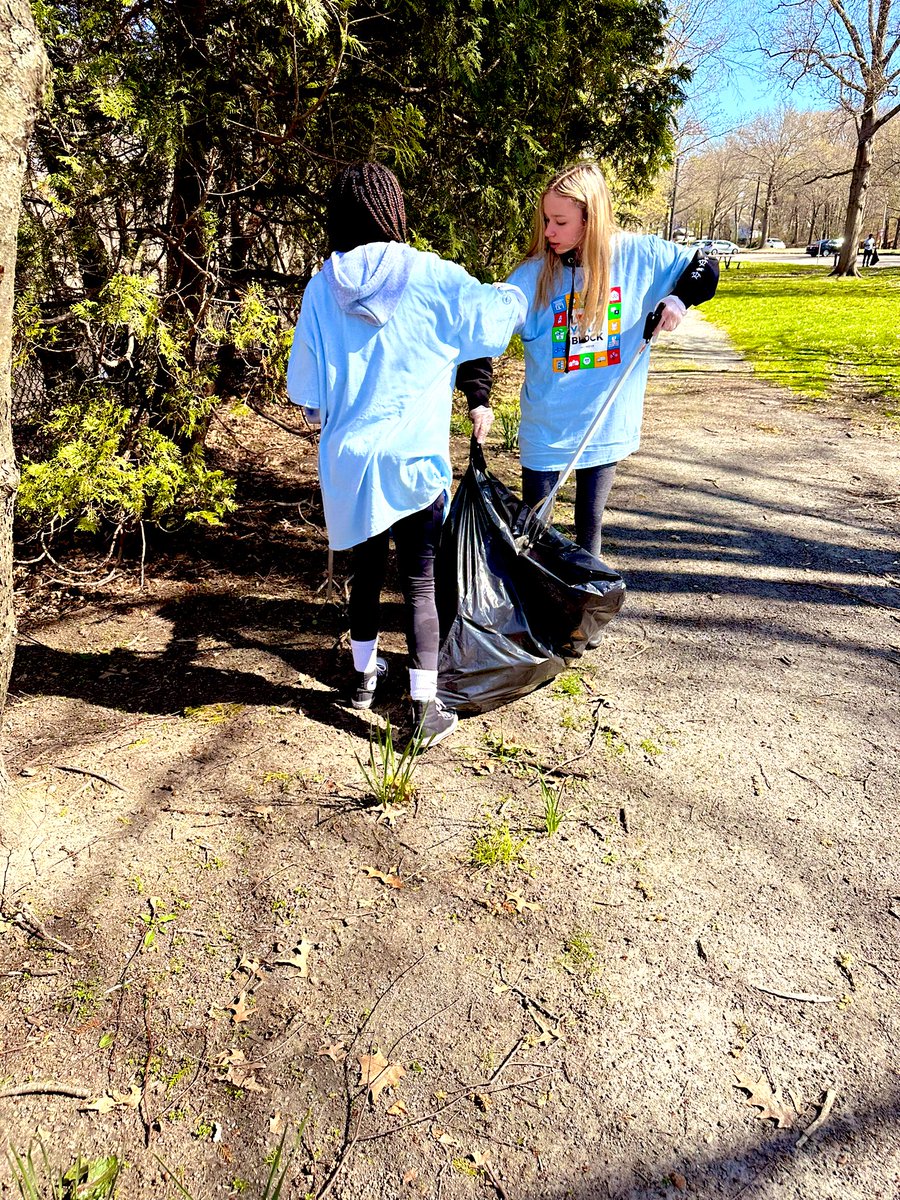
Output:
x,y
775,244
718,247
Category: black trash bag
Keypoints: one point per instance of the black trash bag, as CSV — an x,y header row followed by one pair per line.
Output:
x,y
516,598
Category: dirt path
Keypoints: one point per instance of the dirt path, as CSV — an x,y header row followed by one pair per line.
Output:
x,y
571,1024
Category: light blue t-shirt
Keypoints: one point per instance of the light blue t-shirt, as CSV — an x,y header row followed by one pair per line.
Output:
x,y
381,331
558,405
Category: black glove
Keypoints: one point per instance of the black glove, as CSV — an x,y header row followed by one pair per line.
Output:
x,y
698,281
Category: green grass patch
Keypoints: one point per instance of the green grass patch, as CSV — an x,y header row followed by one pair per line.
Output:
x,y
810,332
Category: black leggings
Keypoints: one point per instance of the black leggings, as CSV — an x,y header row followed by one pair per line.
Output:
x,y
416,538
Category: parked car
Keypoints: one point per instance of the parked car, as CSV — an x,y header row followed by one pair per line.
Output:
x,y
824,246
775,244
720,247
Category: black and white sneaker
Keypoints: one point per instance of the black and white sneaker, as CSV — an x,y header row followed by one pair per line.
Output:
x,y
432,721
366,683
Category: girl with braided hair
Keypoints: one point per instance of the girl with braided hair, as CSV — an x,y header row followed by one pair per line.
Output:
x,y
380,333
589,287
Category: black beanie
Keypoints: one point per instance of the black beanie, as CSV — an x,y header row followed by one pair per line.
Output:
x,y
364,204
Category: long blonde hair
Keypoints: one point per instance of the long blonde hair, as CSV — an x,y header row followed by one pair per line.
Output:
x,y
582,182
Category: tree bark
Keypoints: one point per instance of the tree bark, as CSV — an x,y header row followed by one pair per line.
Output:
x,y
23,70
856,202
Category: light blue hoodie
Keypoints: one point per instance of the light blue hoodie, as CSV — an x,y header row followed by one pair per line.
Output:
x,y
375,350
562,395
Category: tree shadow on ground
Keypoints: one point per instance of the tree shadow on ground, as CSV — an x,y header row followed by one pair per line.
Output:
x,y
750,1171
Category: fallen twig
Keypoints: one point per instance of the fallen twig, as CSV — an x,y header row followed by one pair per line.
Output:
x,y
814,1126
806,997
92,774
26,919
46,1088
528,1000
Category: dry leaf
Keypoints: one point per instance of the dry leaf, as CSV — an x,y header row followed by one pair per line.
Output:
x,y
239,1009
240,1071
251,966
482,1101
763,1098
377,1074
298,958
391,880
549,1033
410,1177
520,905
103,1104
479,1159
387,814
337,1053
130,1099
398,1109
442,1136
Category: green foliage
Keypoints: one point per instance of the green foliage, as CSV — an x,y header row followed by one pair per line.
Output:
x,y
174,197
818,335
551,799
36,1179
109,467
389,775
508,416
495,846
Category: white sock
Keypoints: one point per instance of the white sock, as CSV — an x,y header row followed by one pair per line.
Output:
x,y
364,654
422,684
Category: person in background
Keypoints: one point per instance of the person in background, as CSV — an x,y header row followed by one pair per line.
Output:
x,y
868,249
589,287
381,330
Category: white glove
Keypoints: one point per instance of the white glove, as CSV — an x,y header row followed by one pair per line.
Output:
x,y
482,419
673,311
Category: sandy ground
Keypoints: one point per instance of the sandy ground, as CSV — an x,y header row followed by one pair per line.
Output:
x,y
657,999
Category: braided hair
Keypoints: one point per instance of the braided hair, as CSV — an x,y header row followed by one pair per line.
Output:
x,y
364,204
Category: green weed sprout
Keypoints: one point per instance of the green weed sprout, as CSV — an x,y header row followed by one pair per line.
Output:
x,y
495,846
93,1180
550,797
390,776
508,419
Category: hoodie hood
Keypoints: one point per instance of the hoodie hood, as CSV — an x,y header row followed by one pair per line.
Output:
x,y
369,280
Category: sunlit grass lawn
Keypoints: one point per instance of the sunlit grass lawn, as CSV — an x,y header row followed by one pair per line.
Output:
x,y
812,333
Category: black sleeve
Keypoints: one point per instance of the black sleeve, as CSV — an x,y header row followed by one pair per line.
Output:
x,y
474,379
698,281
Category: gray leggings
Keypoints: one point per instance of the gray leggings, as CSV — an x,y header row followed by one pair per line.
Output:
x,y
592,485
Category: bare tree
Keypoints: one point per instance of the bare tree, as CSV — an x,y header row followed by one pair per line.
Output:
x,y
849,49
776,148
23,69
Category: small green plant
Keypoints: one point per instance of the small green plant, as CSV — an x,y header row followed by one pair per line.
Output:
x,y
214,714
495,846
569,683
155,920
614,742
508,418
650,747
83,998
84,1180
550,798
579,956
388,775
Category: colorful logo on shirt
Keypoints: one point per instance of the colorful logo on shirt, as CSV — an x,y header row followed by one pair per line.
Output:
x,y
593,348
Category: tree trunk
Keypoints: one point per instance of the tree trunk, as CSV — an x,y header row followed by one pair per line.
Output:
x,y
856,203
23,69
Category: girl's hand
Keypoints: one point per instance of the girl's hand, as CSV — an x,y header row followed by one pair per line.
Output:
x,y
482,419
673,311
